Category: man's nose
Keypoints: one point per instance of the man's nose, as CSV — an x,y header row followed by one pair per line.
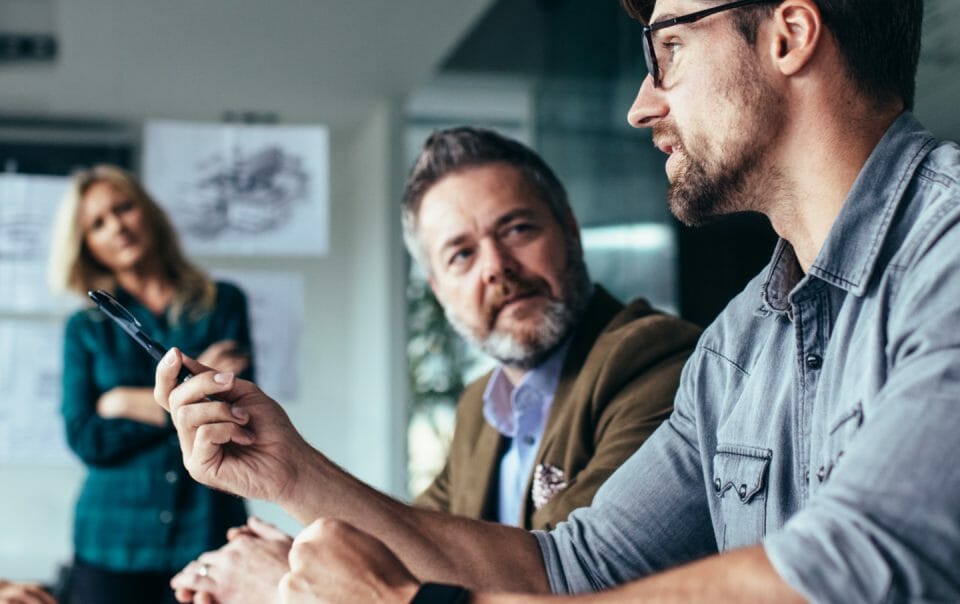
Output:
x,y
649,107
496,262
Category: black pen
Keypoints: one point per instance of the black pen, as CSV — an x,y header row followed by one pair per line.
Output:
x,y
128,323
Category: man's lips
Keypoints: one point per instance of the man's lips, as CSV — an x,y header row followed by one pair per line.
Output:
x,y
667,147
509,302
671,148
514,300
518,298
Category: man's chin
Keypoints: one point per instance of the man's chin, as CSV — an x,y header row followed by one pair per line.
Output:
x,y
511,352
515,314
523,347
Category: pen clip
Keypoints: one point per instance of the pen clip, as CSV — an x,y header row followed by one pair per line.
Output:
x,y
109,306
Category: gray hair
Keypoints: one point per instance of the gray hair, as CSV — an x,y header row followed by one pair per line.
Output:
x,y
449,151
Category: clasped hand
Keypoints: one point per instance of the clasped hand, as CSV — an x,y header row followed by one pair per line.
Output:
x,y
333,562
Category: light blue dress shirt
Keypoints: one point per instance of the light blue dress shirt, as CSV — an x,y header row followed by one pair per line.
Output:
x,y
819,415
520,413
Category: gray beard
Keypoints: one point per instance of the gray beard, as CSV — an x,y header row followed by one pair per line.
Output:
x,y
559,319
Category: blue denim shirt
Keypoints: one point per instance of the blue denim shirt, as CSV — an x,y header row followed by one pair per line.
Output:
x,y
818,416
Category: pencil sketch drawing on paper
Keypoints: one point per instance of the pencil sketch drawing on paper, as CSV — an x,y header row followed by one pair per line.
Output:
x,y
21,237
252,192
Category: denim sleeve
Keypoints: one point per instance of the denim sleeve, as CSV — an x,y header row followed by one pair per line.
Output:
x,y
885,526
651,514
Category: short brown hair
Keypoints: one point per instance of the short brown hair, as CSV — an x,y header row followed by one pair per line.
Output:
x,y
878,39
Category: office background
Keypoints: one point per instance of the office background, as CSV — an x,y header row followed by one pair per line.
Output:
x,y
558,74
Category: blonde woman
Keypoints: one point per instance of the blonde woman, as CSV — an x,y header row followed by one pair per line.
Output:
x,y
139,517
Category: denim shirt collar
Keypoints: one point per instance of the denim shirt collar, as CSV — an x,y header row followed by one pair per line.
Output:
x,y
499,407
849,254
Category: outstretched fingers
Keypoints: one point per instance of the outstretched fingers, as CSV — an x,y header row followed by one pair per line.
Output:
x,y
168,370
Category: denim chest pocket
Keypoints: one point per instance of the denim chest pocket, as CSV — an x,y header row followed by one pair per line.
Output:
x,y
740,484
842,430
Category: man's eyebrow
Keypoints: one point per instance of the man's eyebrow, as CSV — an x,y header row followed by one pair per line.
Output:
x,y
513,215
454,241
663,17
459,239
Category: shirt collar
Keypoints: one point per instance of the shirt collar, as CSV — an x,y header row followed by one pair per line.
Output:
x,y
499,395
852,247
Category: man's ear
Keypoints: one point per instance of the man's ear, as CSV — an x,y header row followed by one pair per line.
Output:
x,y
797,33
573,227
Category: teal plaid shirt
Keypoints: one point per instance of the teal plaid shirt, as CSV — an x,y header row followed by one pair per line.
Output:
x,y
138,509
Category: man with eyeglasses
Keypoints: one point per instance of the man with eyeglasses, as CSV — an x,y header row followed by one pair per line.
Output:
x,y
807,457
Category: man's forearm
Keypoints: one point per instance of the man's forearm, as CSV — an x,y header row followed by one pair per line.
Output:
x,y
744,575
435,546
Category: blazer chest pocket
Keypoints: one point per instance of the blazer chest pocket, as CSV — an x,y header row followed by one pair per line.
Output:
x,y
740,484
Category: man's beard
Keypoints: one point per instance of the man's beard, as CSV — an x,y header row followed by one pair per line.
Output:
x,y
558,317
733,178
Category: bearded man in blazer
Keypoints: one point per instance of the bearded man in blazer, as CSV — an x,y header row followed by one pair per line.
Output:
x,y
582,379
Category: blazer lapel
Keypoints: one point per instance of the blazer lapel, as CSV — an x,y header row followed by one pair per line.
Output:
x,y
480,497
602,308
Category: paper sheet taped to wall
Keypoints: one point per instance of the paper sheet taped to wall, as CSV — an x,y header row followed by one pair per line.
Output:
x,y
276,309
241,189
31,430
27,207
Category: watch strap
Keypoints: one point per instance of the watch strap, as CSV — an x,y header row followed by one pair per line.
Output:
x,y
440,593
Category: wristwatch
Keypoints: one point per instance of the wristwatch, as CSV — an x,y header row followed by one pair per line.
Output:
x,y
440,593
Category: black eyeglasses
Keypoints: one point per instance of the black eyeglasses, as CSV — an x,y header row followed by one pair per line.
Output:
x,y
650,56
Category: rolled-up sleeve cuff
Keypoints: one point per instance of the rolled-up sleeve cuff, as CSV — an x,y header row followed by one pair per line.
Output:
x,y
782,564
551,561
825,563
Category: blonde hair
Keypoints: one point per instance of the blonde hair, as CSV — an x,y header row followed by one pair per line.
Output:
x,y
74,269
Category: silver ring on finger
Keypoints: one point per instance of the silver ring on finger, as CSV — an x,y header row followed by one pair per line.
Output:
x,y
204,570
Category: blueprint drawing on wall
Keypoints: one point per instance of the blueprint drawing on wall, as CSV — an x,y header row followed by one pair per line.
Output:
x,y
31,430
241,189
27,207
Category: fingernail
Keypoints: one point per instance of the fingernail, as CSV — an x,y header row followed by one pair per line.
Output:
x,y
223,378
239,413
170,357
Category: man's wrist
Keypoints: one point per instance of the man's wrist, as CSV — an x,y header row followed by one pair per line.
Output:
x,y
441,593
303,498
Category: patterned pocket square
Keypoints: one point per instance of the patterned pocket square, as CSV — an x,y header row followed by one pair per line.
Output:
x,y
548,480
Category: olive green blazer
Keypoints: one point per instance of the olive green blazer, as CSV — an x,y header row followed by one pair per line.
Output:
x,y
617,385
